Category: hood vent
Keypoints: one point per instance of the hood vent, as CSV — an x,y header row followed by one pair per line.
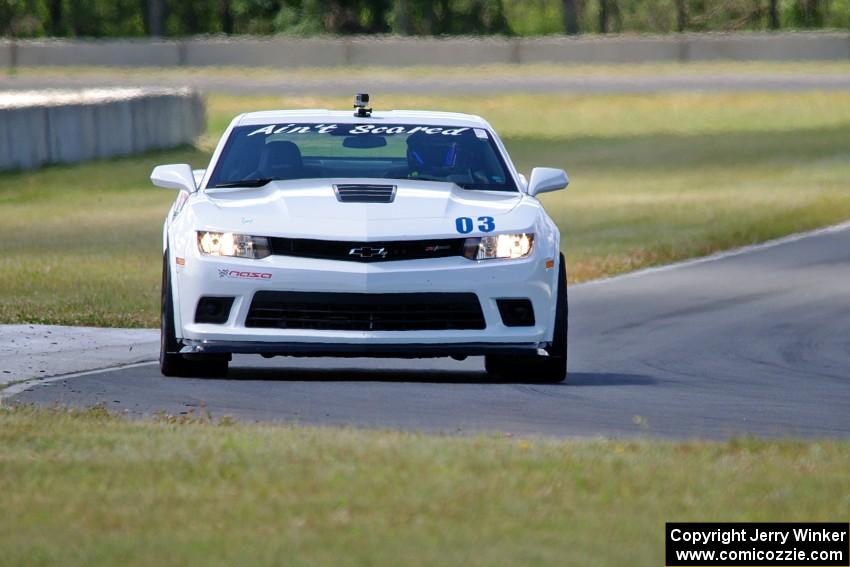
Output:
x,y
365,193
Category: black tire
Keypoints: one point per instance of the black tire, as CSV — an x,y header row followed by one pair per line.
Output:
x,y
171,362
550,369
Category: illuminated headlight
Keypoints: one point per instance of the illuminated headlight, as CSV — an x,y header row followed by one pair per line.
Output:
x,y
236,245
500,246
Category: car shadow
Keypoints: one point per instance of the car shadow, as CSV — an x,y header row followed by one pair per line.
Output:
x,y
608,379
582,379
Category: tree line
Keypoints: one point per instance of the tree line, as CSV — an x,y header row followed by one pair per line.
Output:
x,y
175,18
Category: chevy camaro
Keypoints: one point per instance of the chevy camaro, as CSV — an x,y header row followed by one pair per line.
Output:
x,y
337,233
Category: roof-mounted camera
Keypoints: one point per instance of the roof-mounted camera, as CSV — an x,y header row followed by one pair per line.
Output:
x,y
361,103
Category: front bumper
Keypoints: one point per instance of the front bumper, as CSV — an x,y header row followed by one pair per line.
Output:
x,y
490,280
404,350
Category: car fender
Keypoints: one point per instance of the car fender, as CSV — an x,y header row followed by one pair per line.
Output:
x,y
548,238
178,237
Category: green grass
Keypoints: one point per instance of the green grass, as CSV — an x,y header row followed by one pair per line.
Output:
x,y
655,178
86,488
82,243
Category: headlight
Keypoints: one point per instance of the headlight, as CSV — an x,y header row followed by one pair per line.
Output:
x,y
229,244
500,246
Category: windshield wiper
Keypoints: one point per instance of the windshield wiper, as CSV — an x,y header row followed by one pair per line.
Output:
x,y
471,185
245,183
420,177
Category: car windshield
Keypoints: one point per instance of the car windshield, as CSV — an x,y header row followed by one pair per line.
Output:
x,y
255,155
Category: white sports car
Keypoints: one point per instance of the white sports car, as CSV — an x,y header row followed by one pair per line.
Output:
x,y
331,233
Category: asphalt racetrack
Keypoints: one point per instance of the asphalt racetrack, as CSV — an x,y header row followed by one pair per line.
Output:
x,y
754,342
506,83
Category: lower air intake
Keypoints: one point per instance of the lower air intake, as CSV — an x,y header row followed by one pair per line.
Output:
x,y
365,311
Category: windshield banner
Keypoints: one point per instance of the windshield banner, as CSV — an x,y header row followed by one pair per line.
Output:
x,y
351,129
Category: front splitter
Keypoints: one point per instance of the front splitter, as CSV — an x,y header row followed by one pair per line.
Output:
x,y
359,350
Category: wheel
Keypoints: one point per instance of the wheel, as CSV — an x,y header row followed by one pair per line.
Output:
x,y
550,369
171,362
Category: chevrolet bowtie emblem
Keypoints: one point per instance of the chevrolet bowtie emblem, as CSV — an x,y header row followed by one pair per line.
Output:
x,y
368,252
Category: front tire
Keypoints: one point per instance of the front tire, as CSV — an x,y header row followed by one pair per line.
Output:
x,y
550,369
171,362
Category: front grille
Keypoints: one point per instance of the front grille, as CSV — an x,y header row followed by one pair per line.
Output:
x,y
365,193
365,311
367,251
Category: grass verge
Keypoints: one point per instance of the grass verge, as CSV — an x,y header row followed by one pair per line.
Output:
x,y
655,178
87,488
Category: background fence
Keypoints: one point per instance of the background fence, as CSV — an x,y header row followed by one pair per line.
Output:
x,y
402,51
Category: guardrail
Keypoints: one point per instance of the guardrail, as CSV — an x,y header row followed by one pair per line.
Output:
x,y
404,51
45,127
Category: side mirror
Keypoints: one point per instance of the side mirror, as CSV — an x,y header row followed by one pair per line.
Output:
x,y
198,174
174,176
545,179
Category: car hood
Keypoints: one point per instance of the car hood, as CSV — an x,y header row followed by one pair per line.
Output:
x,y
310,209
